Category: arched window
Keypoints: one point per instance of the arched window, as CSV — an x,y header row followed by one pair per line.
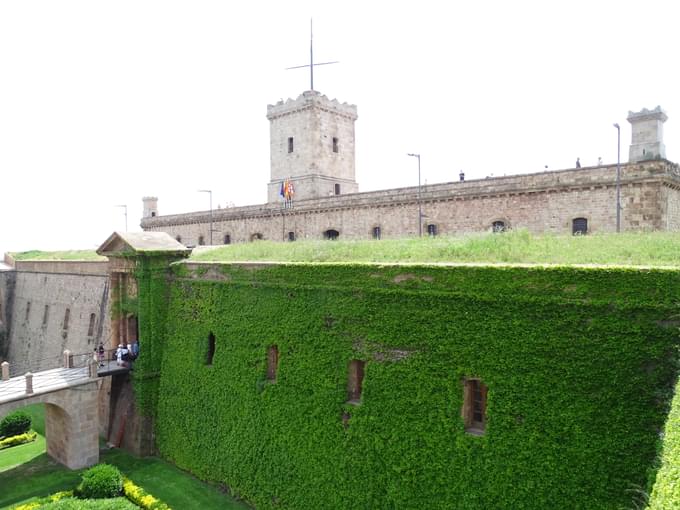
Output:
x,y
291,236
227,239
256,237
90,328
331,234
579,226
201,240
498,226
432,230
376,233
211,349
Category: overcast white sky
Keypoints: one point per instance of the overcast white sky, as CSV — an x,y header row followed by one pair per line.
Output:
x,y
102,103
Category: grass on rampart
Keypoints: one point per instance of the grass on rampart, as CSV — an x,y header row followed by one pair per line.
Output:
x,y
520,247
79,255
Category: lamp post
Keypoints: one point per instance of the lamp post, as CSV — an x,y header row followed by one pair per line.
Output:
x,y
211,216
125,206
618,177
420,211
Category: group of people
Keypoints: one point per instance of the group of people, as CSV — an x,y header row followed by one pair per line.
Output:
x,y
124,354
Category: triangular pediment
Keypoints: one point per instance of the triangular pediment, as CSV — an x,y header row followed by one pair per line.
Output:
x,y
130,243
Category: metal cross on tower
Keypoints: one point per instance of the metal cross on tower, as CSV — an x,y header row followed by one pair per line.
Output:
x,y
311,59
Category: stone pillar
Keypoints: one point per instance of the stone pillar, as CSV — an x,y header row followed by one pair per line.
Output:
x,y
5,371
29,383
68,359
92,368
72,427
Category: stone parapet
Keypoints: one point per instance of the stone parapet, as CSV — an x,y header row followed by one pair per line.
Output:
x,y
80,267
311,99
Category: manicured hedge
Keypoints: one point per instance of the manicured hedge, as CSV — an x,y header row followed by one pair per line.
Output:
x,y
8,442
580,365
666,493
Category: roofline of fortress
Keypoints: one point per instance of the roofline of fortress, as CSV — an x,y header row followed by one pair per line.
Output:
x,y
518,184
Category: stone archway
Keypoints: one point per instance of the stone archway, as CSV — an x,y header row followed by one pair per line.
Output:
x,y
71,423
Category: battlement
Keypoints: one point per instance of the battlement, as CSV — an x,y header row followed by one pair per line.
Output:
x,y
311,99
646,114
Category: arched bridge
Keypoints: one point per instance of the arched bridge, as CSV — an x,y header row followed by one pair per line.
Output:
x,y
71,394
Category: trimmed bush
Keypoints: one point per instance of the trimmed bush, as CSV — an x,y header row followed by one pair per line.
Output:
x,y
90,504
101,481
15,423
17,440
141,498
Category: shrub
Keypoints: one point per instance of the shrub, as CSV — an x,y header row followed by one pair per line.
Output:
x,y
15,423
89,504
101,481
142,498
17,440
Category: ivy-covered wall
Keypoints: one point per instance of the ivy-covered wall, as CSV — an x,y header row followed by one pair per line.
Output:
x,y
579,363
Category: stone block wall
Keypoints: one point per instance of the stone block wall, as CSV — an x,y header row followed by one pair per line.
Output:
x,y
42,295
542,202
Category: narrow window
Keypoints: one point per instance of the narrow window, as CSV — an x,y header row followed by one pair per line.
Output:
x,y
178,239
272,362
432,230
335,144
331,235
90,328
290,144
376,233
211,349
46,315
337,189
201,240
474,406
579,226
153,214
498,226
355,380
291,236
28,311
67,315
227,239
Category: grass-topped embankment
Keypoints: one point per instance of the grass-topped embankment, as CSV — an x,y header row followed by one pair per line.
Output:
x,y
79,255
517,247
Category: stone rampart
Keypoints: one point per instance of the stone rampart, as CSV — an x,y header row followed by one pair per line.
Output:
x,y
540,202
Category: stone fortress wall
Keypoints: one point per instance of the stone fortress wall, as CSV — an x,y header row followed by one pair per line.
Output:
x,y
53,306
540,202
327,203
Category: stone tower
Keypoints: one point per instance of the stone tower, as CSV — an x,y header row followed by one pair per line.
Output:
x,y
312,143
647,134
150,207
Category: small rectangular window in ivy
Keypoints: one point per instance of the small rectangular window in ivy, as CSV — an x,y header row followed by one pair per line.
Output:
x,y
272,362
474,406
355,381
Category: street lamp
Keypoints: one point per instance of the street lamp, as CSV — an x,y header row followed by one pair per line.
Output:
x,y
420,211
618,177
211,218
125,206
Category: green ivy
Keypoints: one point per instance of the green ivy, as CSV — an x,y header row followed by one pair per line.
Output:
x,y
580,365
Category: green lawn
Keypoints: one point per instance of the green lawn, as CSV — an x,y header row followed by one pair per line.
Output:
x,y
42,476
514,247
57,255
16,455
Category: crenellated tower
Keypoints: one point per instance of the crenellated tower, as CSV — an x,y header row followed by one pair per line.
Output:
x,y
312,143
647,134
